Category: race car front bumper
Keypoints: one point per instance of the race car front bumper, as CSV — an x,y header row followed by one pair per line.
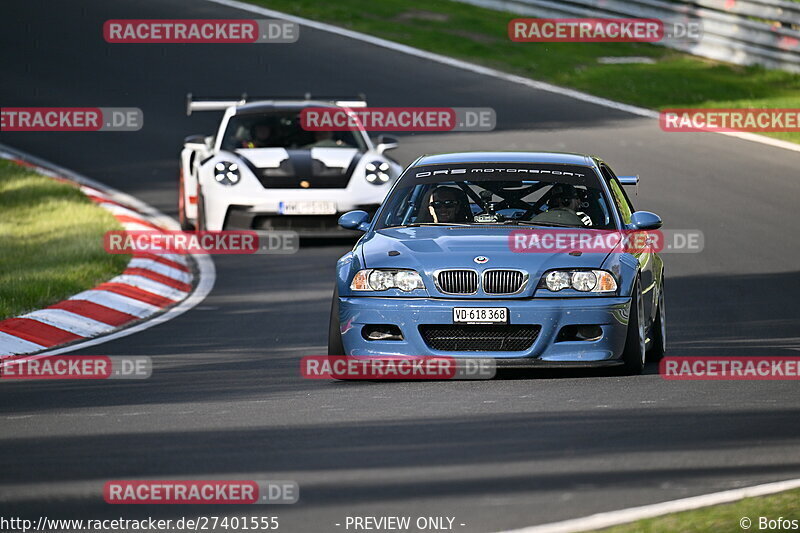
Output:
x,y
549,318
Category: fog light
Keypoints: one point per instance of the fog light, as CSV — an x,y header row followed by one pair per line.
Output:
x,y
577,333
589,333
381,332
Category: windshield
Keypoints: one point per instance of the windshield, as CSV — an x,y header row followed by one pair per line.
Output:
x,y
282,130
555,198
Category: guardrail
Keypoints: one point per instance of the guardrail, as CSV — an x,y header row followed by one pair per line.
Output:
x,y
744,32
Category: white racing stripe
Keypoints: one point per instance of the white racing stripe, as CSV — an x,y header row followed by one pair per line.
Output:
x,y
11,345
117,301
77,324
161,268
150,286
624,516
176,258
486,71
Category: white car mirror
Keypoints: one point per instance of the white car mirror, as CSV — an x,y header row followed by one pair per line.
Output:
x,y
386,143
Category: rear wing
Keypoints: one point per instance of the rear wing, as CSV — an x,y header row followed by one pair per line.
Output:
x,y
219,104
210,105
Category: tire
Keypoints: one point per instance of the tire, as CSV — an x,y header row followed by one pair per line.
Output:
x,y
633,355
335,346
659,330
185,224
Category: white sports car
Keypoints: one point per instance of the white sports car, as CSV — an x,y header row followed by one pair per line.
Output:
x,y
263,171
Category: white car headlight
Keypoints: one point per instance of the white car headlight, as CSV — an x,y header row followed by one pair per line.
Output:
x,y
557,280
377,172
227,173
584,281
597,281
380,280
385,279
408,280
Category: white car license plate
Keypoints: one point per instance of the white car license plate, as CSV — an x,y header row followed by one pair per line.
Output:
x,y
480,315
317,207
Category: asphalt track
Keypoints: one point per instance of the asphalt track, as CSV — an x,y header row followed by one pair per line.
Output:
x,y
226,399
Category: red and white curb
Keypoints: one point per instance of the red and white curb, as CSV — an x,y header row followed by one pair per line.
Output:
x,y
149,284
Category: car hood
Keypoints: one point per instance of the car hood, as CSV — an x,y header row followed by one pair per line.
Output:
x,y
427,249
301,168
273,157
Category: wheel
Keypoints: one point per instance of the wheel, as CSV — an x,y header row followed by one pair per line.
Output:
x,y
335,346
633,355
658,331
184,222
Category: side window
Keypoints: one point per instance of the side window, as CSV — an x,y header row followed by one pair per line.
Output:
x,y
620,198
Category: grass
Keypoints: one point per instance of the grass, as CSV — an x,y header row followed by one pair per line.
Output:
x,y
51,241
721,517
480,35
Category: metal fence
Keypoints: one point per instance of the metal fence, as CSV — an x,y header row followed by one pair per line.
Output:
x,y
744,32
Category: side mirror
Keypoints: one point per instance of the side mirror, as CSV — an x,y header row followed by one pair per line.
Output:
x,y
386,143
645,220
355,220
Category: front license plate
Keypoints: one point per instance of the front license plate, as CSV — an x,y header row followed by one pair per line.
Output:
x,y
318,207
480,315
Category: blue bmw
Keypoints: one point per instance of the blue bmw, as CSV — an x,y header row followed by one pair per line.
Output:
x,y
436,272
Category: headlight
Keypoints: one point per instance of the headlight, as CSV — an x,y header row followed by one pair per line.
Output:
x,y
382,280
408,280
226,173
580,280
377,172
584,281
556,280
